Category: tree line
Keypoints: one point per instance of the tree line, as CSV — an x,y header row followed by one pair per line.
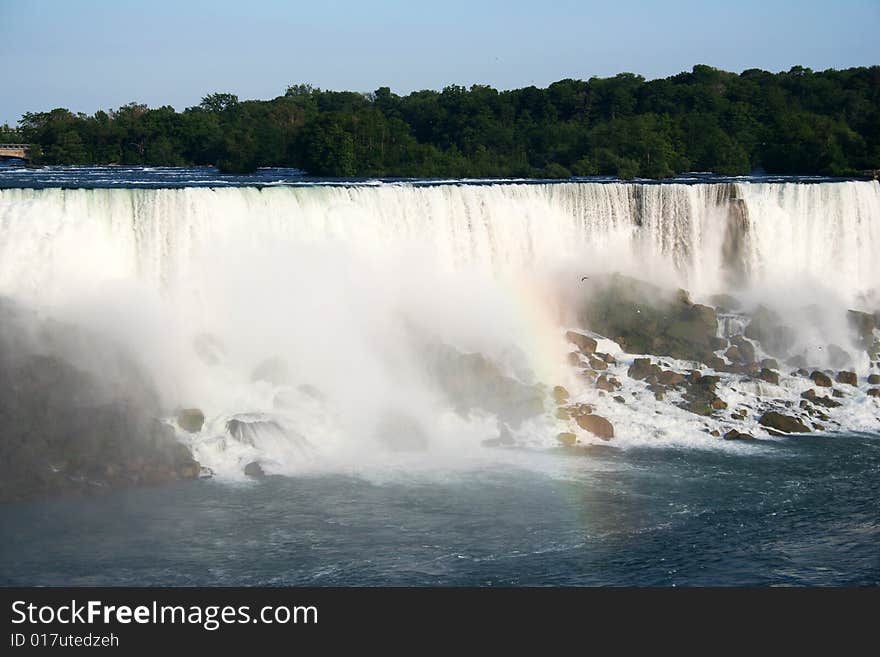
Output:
x,y
795,122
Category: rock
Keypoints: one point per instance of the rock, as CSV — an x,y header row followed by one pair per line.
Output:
x,y
874,392
642,368
837,393
619,399
644,318
863,325
560,395
584,343
746,349
783,423
714,362
733,354
597,363
566,438
769,376
873,379
719,404
596,425
810,395
770,363
191,420
821,379
849,378
608,384
733,434
574,359
608,358
670,378
254,469
577,410
725,303
767,328
717,344
694,376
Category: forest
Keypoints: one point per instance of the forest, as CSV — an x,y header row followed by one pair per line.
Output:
x,y
795,122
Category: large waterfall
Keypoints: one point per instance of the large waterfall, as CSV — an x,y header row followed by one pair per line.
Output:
x,y
339,292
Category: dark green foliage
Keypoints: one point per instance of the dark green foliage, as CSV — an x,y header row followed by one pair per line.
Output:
x,y
795,122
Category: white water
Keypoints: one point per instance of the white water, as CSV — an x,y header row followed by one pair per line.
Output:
x,y
350,287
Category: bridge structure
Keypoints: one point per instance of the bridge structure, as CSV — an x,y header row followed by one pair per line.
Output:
x,y
21,151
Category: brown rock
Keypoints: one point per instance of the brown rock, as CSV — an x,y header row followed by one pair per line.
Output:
x,y
584,343
566,438
597,363
670,378
821,379
191,420
849,378
560,395
873,379
769,376
874,392
783,423
733,434
597,425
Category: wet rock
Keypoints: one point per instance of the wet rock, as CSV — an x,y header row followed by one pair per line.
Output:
x,y
733,354
725,303
670,378
642,368
597,425
873,379
579,410
560,395
874,392
770,363
821,379
644,318
837,393
597,363
714,362
608,358
827,402
574,359
848,378
782,423
254,469
719,404
769,376
619,399
566,438
746,349
584,343
767,327
608,384
733,434
191,419
717,344
863,325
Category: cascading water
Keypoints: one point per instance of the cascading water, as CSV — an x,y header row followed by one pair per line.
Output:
x,y
319,318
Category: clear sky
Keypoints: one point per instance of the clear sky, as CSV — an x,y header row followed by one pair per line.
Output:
x,y
88,54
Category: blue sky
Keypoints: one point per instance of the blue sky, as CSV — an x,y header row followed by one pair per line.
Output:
x,y
87,55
